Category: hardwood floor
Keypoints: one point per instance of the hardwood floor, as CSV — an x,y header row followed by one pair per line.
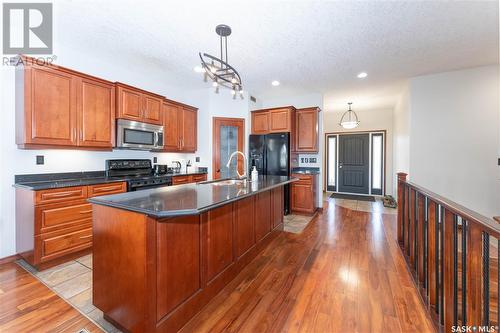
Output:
x,y
344,273
26,305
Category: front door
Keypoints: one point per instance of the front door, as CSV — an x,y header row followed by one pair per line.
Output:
x,y
228,134
354,163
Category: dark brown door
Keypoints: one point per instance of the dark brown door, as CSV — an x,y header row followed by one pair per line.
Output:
x,y
53,108
228,136
96,114
354,164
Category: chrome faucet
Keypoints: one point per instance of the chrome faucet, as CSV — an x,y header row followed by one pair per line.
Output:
x,y
245,173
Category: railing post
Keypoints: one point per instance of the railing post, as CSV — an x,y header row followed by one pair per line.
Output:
x,y
474,274
401,181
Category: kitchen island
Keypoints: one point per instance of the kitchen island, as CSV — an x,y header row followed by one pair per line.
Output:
x,y
160,255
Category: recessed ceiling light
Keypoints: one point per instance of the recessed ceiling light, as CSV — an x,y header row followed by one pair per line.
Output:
x,y
199,69
275,83
362,75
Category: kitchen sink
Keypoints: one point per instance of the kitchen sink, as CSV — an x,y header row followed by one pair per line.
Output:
x,y
225,182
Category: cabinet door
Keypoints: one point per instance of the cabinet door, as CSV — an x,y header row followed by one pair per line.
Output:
x,y
302,197
262,215
189,130
277,202
129,104
178,258
152,110
260,122
96,113
219,240
51,105
306,139
171,133
244,224
280,120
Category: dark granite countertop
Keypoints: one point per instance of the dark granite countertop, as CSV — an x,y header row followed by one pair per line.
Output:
x,y
306,170
36,182
189,199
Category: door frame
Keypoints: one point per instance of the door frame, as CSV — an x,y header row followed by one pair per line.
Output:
x,y
384,168
216,123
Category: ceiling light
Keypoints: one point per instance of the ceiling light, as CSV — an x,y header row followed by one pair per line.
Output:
x,y
218,69
362,75
349,119
275,83
199,69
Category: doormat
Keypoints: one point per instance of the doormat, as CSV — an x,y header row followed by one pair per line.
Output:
x,y
352,197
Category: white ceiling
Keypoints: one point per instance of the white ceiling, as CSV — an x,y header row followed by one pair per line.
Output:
x,y
309,46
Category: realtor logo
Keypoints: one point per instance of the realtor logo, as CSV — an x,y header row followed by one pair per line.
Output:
x,y
27,28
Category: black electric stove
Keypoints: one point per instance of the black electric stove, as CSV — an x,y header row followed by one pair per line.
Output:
x,y
137,173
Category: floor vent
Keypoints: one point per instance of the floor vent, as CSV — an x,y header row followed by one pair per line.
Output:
x,y
83,330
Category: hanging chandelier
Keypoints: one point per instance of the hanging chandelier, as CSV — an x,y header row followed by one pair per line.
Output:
x,y
349,119
218,69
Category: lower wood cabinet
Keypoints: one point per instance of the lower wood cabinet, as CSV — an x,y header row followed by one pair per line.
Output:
x,y
303,194
186,179
183,262
54,223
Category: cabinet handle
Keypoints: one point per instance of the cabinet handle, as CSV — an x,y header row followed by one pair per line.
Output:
x,y
85,211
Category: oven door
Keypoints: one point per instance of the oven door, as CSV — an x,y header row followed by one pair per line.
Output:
x,y
137,135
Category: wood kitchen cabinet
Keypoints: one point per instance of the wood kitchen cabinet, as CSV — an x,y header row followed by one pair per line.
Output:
x,y
303,193
180,127
138,105
306,130
274,120
61,108
187,179
54,225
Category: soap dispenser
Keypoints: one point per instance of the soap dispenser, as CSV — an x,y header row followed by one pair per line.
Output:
x,y
255,174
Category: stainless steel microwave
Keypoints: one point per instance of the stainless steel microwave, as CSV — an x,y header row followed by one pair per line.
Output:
x,y
137,135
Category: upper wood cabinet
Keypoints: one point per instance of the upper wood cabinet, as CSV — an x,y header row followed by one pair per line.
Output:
x,y
60,108
180,127
139,105
306,133
273,120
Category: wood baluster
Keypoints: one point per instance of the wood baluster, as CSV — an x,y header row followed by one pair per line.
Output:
x,y
420,237
411,228
464,271
401,203
486,279
433,259
407,220
449,271
474,273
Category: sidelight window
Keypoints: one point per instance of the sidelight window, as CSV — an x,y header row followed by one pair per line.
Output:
x,y
332,163
377,165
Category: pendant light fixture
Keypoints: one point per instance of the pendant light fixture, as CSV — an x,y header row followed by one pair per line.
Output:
x,y
218,69
349,119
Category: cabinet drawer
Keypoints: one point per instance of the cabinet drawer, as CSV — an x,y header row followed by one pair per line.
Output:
x,y
105,189
61,194
303,179
177,180
65,243
199,178
53,217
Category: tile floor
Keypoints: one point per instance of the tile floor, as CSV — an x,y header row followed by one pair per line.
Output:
x,y
73,280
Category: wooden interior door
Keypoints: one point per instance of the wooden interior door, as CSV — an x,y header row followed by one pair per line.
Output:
x,y
53,107
228,136
96,114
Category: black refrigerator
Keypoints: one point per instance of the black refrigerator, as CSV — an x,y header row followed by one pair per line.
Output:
x,y
270,153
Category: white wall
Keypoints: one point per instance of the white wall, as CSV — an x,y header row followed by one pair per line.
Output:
x,y
303,101
401,136
371,120
454,131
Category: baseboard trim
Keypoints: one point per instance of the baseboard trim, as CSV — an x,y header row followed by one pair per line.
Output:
x,y
8,259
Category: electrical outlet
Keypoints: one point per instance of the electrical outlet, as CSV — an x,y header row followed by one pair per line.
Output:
x,y
40,160
301,160
306,160
312,159
155,159
197,159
